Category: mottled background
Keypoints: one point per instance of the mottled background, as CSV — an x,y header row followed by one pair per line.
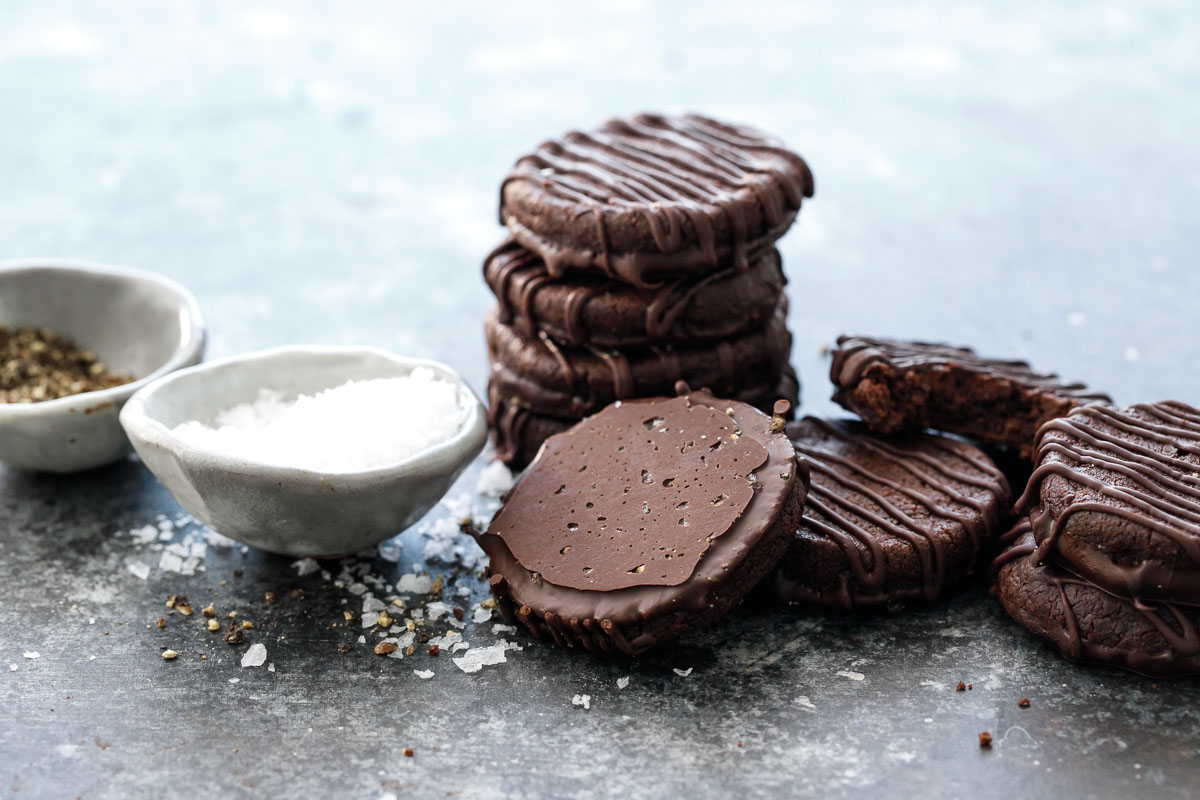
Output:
x,y
1018,176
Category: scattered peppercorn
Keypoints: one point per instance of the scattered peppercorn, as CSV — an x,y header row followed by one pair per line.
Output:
x,y
434,649
1023,702
233,634
985,740
962,687
408,752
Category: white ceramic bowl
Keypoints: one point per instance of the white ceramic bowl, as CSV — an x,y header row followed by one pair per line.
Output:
x,y
285,510
137,323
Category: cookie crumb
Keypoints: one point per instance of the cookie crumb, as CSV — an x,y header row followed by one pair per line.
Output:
x,y
208,611
169,655
233,634
160,622
961,687
269,598
213,625
985,740
408,752
383,648
344,648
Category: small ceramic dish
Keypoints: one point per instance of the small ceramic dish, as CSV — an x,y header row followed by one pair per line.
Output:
x,y
137,323
287,510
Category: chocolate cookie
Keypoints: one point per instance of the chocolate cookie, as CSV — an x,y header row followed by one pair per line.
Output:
x,y
572,382
644,521
887,519
585,310
517,432
899,385
652,196
1088,624
1115,498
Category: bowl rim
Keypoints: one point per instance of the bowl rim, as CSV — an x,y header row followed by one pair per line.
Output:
x,y
191,345
463,446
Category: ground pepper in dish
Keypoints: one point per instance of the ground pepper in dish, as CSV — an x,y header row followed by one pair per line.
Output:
x,y
37,364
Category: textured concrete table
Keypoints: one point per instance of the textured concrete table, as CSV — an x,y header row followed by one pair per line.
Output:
x,y
1011,176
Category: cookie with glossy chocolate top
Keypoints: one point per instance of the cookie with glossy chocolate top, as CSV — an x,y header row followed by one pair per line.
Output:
x,y
517,432
887,519
1087,624
585,310
652,196
572,382
644,521
1115,498
897,385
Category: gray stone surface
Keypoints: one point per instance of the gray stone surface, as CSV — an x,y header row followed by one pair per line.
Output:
x,y
1018,176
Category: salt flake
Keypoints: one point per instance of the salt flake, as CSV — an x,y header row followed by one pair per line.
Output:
x,y
305,566
31,654
584,700
139,569
256,656
423,674
622,682
683,673
480,657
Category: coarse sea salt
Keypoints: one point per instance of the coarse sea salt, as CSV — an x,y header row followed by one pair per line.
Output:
x,y
356,426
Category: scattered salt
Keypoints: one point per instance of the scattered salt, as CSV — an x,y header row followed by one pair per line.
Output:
x,y
584,700
683,673
139,569
412,584
481,614
494,480
477,658
270,667
622,682
854,676
305,566
256,656
356,426
423,674
12,667
235,680
31,654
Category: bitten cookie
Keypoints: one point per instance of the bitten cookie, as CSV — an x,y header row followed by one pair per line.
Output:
x,y
644,521
901,385
1090,625
887,519
572,382
1115,498
651,196
585,310
517,432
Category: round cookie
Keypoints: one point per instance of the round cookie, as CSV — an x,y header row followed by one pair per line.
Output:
x,y
651,196
585,310
1115,498
897,385
572,382
1090,625
517,432
887,519
644,521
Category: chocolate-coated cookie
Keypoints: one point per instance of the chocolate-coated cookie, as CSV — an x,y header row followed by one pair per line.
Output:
x,y
643,198
899,385
887,519
580,309
644,521
572,382
1115,498
517,432
1090,625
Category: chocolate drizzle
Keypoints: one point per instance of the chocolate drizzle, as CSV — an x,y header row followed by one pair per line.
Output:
x,y
919,490
571,382
856,355
668,312
1088,624
1130,473
706,193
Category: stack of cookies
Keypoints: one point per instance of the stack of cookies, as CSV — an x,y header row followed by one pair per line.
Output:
x,y
640,254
